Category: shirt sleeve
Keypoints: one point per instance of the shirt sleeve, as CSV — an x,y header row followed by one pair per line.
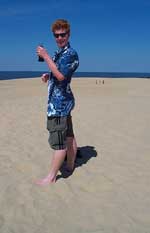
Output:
x,y
68,64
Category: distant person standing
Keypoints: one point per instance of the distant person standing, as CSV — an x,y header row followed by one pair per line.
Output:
x,y
60,100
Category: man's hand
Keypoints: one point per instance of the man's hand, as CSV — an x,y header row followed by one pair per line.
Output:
x,y
41,51
45,77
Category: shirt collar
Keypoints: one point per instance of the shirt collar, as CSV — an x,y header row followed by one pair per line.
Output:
x,y
61,50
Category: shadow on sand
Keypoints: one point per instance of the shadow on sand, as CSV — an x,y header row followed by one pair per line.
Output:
x,y
84,154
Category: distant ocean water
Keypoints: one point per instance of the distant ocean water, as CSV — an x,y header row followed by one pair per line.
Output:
x,y
6,75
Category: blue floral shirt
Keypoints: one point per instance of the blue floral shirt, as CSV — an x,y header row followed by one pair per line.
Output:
x,y
60,97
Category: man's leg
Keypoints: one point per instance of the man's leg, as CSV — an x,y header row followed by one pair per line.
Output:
x,y
57,160
57,140
71,153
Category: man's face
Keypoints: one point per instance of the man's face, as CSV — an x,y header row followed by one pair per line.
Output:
x,y
61,37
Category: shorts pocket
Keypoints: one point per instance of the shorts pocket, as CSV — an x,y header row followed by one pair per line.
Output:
x,y
57,140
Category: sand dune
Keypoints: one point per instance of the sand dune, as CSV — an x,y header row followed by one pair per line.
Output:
x,y
109,190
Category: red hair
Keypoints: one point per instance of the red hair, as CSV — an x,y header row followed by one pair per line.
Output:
x,y
60,24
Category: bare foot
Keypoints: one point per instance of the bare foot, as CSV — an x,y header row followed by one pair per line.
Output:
x,y
46,181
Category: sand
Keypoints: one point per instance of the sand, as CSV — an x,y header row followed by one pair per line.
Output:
x,y
109,191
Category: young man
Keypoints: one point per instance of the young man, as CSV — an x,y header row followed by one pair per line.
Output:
x,y
60,100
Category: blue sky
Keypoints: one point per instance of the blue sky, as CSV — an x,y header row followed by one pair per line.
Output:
x,y
109,35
